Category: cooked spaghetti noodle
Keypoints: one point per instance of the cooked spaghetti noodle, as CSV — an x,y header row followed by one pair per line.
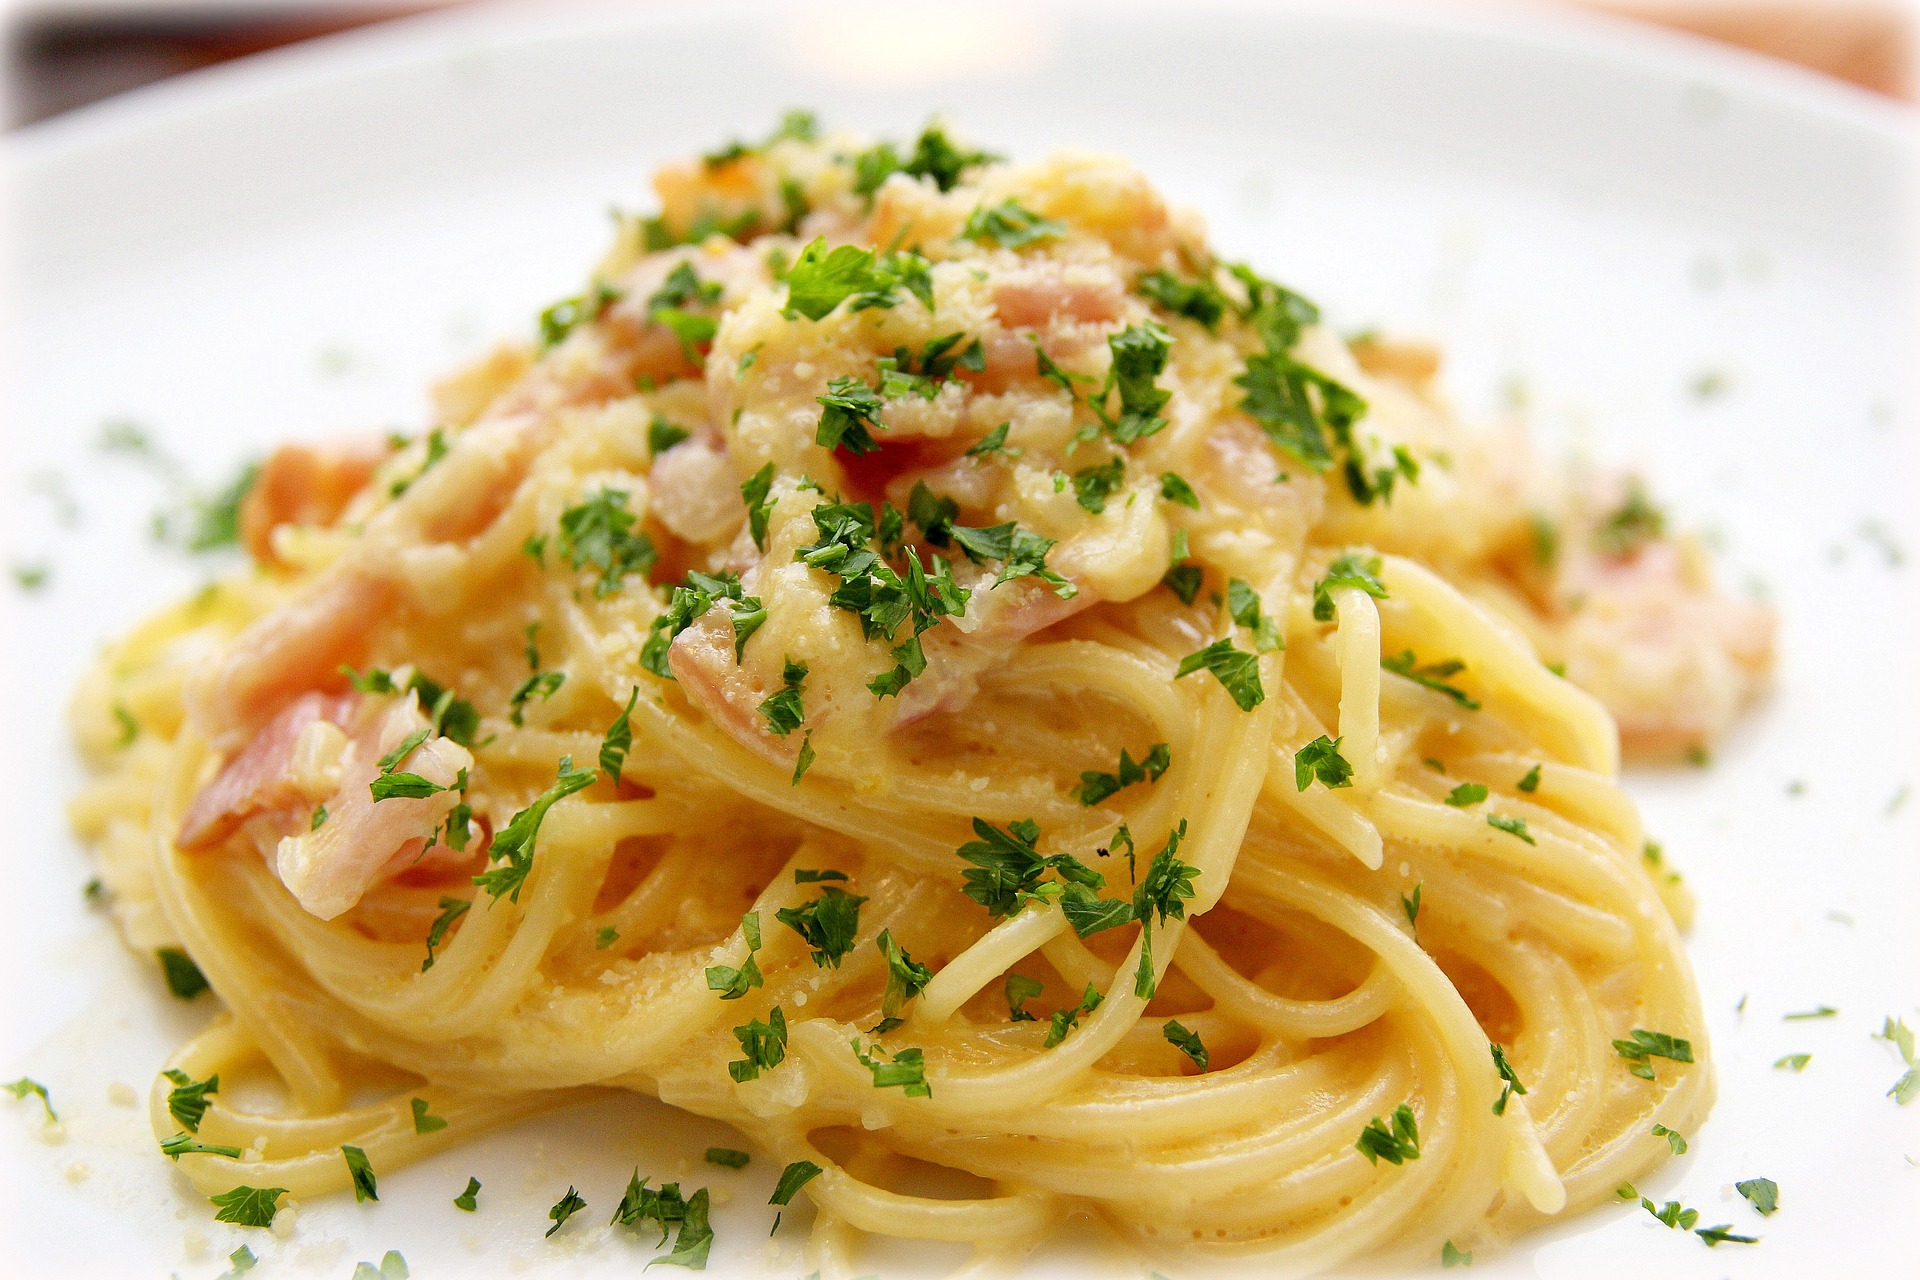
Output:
x,y
727,699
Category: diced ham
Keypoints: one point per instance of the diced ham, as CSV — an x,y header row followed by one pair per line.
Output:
x,y
702,660
261,776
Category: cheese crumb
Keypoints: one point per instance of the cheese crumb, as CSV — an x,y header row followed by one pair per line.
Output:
x,y
121,1095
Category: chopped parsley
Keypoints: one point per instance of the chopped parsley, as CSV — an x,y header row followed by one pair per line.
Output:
x,y
451,909
185,1144
423,1120
1762,1193
1092,486
1721,1235
1516,827
618,740
1434,676
1007,868
1630,526
905,979
753,492
691,600
801,126
1794,1062
599,533
792,1178
803,761
1672,1214
1161,891
1509,1079
1199,299
1237,671
934,156
129,727
392,1267
1174,488
733,983
568,314
1243,604
605,936
1531,782
541,684
470,1198
1675,1142
361,1171
243,1261
728,1158
907,1072
827,924
850,407
1063,1021
1321,759
514,845
569,1204
1023,554
820,280
1096,786
1467,793
1643,1046
1452,1257
995,441
1020,989
1185,1041
663,435
187,1102
1410,907
248,1206
25,1087
1010,225
1183,578
1809,1015
1900,1036
1139,356
183,976
1349,570
763,1043
1396,1144
784,710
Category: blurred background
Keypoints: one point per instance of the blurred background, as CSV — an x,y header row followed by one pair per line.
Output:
x,y
64,54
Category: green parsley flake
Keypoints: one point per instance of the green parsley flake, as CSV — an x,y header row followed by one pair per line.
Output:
x,y
827,924
663,435
183,976
1675,1142
569,1204
598,533
1516,827
451,909
792,1178
1064,1021
1174,488
1321,759
1349,571
1722,1235
1395,1145
248,1206
470,1198
1762,1193
24,1087
1010,225
184,1144
513,847
1201,299
365,1187
1020,989
1096,786
1795,1062
1809,1015
727,1157
1531,782
423,1122
1452,1257
1186,1042
1646,1045
1434,676
907,1072
1467,793
187,1103
905,979
1509,1079
1243,605
1410,907
733,983
784,710
1237,671
618,740
763,1043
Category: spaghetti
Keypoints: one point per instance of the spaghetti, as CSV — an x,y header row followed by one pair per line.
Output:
x,y
927,665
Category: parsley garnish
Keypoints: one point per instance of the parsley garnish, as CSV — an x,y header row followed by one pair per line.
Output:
x,y
513,846
1063,1021
183,976
1199,299
1452,1257
1900,1036
599,533
1516,827
469,1199
1237,671
995,441
1007,867
1167,882
1434,676
1410,907
1020,989
451,909
129,727
1809,1015
804,760
23,1087
1721,1235
827,924
851,407
187,1103
1174,488
1096,786
1010,225
1795,1062
784,710
728,1158
763,1043
1023,554
1092,486
905,979
423,1122
733,983
1243,604
243,1261
907,1071
248,1206
1633,524
1675,1142
569,1204
1509,1080
1762,1193
542,685
663,435
1361,573
618,740
361,1171
1467,793
792,1178
820,280
568,314
1186,1042
1321,759
690,602
185,1144
1643,1046
1394,1145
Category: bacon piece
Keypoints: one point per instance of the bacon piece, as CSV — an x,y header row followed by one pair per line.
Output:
x,y
701,659
306,484
261,776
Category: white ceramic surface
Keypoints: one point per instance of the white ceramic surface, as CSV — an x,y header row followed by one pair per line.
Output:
x,y
1588,216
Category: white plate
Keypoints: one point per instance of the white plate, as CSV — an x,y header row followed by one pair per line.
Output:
x,y
293,245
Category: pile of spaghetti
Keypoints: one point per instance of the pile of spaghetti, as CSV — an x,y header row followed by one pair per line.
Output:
x,y
925,663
